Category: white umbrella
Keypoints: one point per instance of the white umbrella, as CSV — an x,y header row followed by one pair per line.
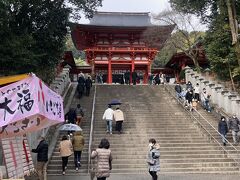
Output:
x,y
70,127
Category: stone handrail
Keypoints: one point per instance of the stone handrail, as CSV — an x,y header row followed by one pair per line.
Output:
x,y
221,97
234,153
91,131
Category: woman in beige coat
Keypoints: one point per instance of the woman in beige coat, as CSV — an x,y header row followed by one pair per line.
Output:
x,y
119,118
104,159
65,149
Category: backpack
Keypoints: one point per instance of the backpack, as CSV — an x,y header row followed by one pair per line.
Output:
x,y
79,112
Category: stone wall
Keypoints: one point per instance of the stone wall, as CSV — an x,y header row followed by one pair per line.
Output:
x,y
60,85
221,98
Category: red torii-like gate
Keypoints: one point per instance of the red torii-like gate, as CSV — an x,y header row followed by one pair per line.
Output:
x,y
114,43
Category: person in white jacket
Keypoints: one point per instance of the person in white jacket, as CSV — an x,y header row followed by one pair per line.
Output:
x,y
108,116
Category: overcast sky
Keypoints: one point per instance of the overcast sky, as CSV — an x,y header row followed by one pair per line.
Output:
x,y
152,6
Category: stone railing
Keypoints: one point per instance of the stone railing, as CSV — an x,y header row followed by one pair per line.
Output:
x,y
221,97
60,85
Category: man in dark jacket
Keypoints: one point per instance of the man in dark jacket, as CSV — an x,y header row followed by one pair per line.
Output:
x,y
127,77
134,77
42,158
223,129
178,90
234,127
81,84
71,116
88,84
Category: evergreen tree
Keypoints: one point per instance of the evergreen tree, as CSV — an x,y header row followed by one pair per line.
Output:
x,y
33,34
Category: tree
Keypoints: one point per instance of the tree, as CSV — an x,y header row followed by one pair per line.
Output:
x,y
182,39
164,55
33,34
222,43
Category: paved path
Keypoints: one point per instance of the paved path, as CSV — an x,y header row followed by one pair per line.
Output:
x,y
161,177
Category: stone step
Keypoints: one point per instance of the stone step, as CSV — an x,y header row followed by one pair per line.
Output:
x,y
165,145
151,112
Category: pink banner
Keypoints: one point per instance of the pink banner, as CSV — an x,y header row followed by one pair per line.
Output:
x,y
28,105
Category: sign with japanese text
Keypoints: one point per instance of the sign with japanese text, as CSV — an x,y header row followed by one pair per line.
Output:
x,y
28,105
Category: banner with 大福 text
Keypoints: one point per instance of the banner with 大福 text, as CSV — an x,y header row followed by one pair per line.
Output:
x,y
28,105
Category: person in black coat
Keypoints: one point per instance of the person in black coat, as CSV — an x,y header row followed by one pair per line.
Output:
x,y
157,79
71,116
223,129
189,98
42,157
88,84
178,90
134,77
127,77
81,85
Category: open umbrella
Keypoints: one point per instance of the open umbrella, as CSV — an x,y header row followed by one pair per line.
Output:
x,y
115,102
70,127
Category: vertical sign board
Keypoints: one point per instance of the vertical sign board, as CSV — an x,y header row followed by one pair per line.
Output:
x,y
27,106
17,156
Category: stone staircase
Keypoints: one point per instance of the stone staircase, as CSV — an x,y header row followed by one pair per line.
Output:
x,y
209,120
55,165
152,113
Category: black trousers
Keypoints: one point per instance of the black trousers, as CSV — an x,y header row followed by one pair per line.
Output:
x,y
153,174
77,158
87,91
64,162
197,96
134,81
101,178
119,126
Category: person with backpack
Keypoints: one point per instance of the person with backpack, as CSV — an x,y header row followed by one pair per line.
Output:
x,y
71,116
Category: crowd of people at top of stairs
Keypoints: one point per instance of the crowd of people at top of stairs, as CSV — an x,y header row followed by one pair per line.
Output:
x,y
191,96
84,85
135,77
